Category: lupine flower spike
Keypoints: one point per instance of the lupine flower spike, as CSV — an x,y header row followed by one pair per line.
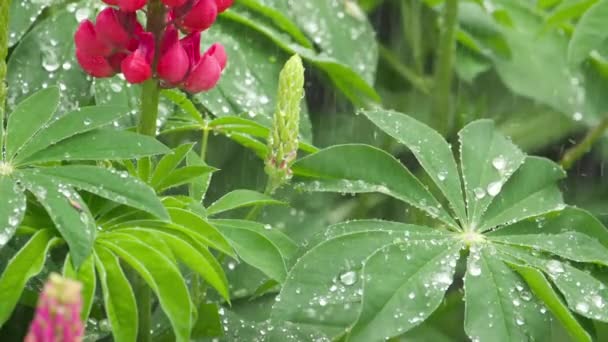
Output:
x,y
57,317
283,139
117,43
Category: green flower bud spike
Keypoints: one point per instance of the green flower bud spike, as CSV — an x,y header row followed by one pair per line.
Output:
x,y
283,139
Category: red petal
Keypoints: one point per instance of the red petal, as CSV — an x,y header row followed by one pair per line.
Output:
x,y
110,29
131,5
200,17
204,76
174,3
173,64
218,52
85,39
223,5
96,66
135,68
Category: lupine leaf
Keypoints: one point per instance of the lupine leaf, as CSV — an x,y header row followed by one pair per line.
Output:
x,y
183,176
239,199
118,297
27,263
589,34
197,224
12,208
169,162
86,276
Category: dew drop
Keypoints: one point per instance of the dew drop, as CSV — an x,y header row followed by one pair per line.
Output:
x,y
582,307
479,193
499,163
494,188
348,278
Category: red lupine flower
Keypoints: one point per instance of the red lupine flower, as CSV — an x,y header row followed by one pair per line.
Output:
x,y
57,317
198,17
94,65
118,29
87,41
223,5
137,67
205,71
127,5
173,63
174,3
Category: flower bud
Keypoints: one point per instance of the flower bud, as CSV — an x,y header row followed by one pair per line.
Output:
x,y
173,63
283,139
57,315
137,66
86,40
117,29
219,53
127,5
204,76
199,17
94,65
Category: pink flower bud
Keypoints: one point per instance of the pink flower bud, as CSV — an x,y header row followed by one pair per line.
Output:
x,y
137,66
57,315
127,5
218,52
223,5
174,3
173,63
203,76
94,65
87,41
117,29
199,17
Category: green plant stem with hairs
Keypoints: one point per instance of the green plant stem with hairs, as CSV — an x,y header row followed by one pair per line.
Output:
x,y
577,152
147,125
442,97
4,28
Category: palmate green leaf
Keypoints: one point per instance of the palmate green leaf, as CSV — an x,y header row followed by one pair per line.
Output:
x,y
255,249
27,263
531,191
240,199
12,208
114,185
162,276
399,295
332,169
198,259
324,287
541,287
79,121
436,156
86,276
182,101
118,297
22,15
211,235
488,159
183,176
28,118
566,11
46,57
100,145
499,306
589,34
197,189
168,163
68,211
584,294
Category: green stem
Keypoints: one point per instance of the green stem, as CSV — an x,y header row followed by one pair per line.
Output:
x,y
255,211
577,152
442,108
412,28
147,125
406,73
4,28
204,144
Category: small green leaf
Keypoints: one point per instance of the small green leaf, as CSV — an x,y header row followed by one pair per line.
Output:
x,y
118,297
79,121
12,208
100,145
195,223
488,159
68,211
198,259
431,151
169,162
209,322
395,297
182,101
27,263
29,117
239,199
531,191
499,306
198,186
114,185
542,289
331,170
162,276
589,34
86,276
183,176
256,250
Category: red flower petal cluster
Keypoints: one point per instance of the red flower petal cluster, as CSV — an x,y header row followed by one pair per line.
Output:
x,y
118,43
